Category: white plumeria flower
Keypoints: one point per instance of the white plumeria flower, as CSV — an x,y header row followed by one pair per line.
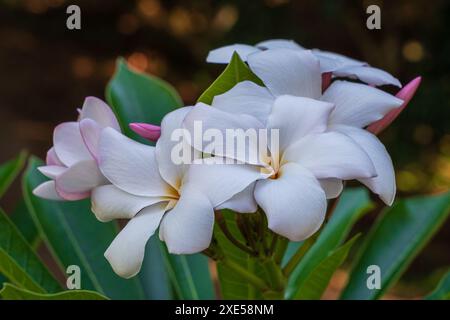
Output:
x,y
289,191
339,65
148,188
71,163
297,73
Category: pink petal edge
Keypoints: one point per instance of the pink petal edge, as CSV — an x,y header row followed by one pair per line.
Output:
x,y
406,94
148,131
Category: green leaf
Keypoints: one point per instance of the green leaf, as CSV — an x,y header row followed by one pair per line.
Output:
x,y
317,281
352,205
190,276
10,170
11,292
138,97
75,237
22,220
233,286
236,71
19,263
442,291
395,240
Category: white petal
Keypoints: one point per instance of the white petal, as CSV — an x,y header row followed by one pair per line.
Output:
x,y
220,182
52,159
69,145
90,131
278,44
126,252
296,117
243,202
214,124
332,187
331,155
286,71
339,60
294,203
47,190
246,98
358,105
131,166
188,227
80,178
369,75
170,171
52,171
109,203
97,110
384,183
224,54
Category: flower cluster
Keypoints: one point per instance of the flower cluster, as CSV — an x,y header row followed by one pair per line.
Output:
x,y
324,139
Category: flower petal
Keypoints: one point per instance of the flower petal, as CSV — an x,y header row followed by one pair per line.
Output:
x,y
384,183
131,166
296,117
188,227
52,171
332,187
279,44
209,126
109,203
170,170
97,110
369,75
52,159
47,190
146,130
69,145
294,203
243,202
286,71
331,155
406,95
80,178
126,252
336,61
246,98
224,54
90,131
357,104
220,182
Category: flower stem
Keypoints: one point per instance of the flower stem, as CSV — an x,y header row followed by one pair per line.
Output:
x,y
223,226
280,249
250,277
287,270
276,277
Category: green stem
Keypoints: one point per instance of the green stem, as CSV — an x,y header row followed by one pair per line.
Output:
x,y
280,249
223,226
276,277
244,273
299,255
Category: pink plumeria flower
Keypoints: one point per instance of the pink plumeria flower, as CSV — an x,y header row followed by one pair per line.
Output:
x,y
148,131
337,64
72,163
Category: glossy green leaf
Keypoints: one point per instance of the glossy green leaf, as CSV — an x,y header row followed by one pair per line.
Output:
x,y
19,263
138,97
10,170
22,220
317,281
395,240
442,291
190,276
236,71
233,286
352,205
11,292
75,237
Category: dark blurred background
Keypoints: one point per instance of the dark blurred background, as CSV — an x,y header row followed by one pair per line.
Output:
x,y
46,70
